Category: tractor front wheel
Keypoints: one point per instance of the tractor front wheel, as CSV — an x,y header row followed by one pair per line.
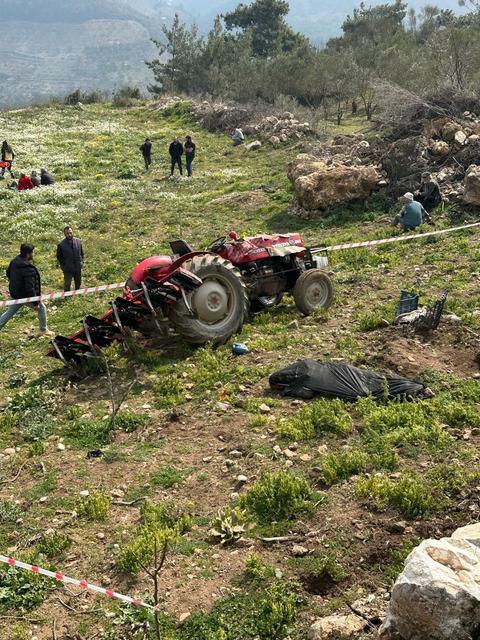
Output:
x,y
219,305
313,290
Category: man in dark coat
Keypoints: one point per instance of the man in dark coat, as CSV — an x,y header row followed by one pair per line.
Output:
x,y
146,150
46,178
24,282
190,148
70,257
176,152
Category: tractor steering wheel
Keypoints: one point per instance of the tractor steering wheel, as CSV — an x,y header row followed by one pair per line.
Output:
x,y
217,244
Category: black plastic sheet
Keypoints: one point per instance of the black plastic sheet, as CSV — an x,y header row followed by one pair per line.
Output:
x,y
308,378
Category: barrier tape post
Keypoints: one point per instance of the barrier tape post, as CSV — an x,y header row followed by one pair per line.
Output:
x,y
59,577
372,243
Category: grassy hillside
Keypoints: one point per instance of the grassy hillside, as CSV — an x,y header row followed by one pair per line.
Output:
x,y
356,485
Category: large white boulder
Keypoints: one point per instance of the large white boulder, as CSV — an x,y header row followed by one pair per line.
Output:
x,y
437,596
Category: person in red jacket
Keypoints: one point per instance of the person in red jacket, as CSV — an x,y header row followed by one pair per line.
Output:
x,y
25,183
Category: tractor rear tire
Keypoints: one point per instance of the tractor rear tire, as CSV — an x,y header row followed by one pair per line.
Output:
x,y
313,290
220,304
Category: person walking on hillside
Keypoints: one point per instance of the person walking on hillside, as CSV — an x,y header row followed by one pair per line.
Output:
x,y
70,257
46,178
146,150
412,214
176,152
190,148
24,282
429,194
8,156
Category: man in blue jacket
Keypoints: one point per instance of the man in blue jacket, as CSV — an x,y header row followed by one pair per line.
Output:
x,y
24,282
70,257
412,214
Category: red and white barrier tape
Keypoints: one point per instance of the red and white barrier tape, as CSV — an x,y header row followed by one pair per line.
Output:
x,y
372,243
59,577
63,294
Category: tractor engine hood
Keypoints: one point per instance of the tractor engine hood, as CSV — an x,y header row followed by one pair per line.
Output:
x,y
150,268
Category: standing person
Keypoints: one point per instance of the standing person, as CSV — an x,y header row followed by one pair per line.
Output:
x,y
146,150
70,257
8,155
25,183
176,152
238,137
429,194
46,178
412,214
35,179
190,148
24,282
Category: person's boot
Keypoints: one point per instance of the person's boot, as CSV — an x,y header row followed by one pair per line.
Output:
x,y
46,333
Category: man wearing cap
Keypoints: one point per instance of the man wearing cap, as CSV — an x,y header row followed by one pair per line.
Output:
x,y
412,214
429,194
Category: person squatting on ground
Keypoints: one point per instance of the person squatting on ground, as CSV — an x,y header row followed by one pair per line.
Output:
x,y
8,156
429,194
176,152
412,214
35,179
238,137
25,183
146,150
70,257
24,282
190,148
46,178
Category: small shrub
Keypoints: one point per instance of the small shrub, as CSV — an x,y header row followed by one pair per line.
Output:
x,y
169,392
89,434
342,465
127,96
321,416
95,506
130,422
319,573
22,590
166,516
450,478
229,525
9,512
34,409
54,545
168,477
410,494
280,496
256,570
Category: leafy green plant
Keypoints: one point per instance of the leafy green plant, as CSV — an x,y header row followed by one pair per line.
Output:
x,y
280,496
54,545
161,525
89,434
22,590
322,416
95,506
342,465
411,494
168,477
229,525
130,422
36,407
256,570
9,512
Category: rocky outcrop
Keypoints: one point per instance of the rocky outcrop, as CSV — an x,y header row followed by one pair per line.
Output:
x,y
437,596
336,627
320,186
471,194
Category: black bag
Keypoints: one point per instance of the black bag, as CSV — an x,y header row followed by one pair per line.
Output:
x,y
308,378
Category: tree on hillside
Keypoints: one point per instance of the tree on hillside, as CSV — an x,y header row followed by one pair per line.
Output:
x,y
177,67
265,20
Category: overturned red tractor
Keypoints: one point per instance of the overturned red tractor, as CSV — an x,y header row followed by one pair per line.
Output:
x,y
206,296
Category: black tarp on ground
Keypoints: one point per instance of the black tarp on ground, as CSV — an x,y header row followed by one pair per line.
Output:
x,y
307,378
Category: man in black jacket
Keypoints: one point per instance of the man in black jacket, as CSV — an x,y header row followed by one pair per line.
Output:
x,y
176,152
190,149
70,257
24,282
146,150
